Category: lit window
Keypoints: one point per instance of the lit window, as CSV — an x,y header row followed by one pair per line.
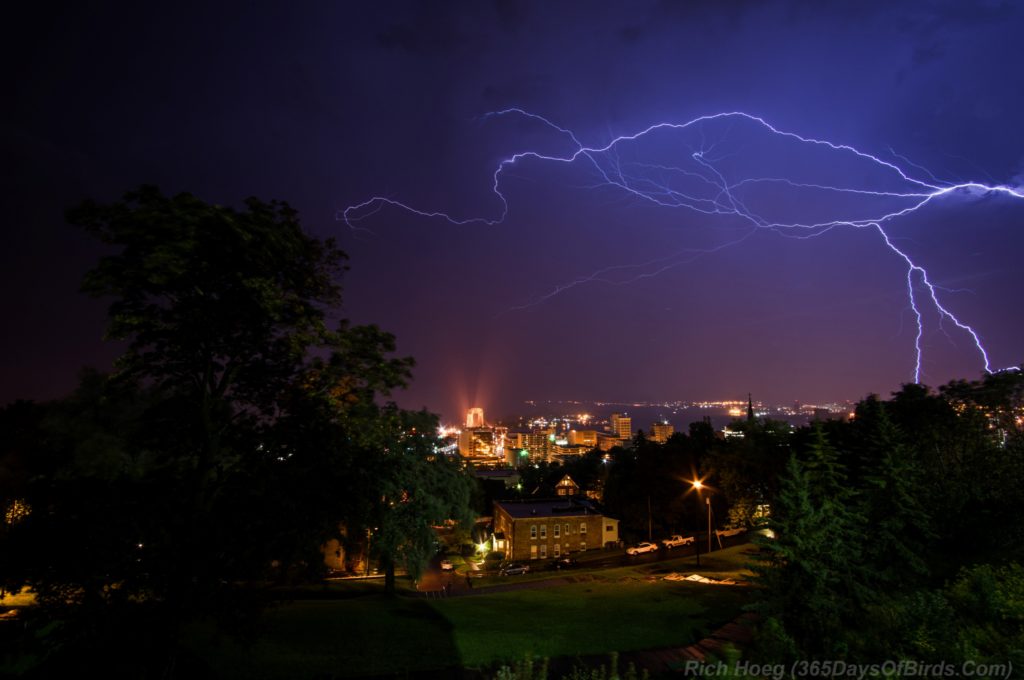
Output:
x,y
583,527
533,531
558,530
533,552
543,530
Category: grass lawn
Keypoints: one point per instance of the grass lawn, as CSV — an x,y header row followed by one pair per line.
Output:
x,y
729,563
585,618
341,588
617,609
370,635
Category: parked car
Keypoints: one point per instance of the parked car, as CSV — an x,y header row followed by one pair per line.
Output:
x,y
676,540
446,565
514,569
641,548
563,563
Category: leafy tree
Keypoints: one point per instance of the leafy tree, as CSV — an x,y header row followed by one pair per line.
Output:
x,y
989,600
978,617
244,426
590,470
418,489
225,313
746,469
970,483
649,483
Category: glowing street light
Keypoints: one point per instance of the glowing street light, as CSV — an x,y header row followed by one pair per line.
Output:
x,y
698,486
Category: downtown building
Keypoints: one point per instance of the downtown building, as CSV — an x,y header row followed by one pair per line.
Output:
x,y
621,426
481,443
660,432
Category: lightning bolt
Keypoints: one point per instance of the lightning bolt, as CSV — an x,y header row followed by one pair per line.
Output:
x,y
700,186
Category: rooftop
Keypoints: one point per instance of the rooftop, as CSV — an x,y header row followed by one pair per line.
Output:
x,y
498,472
549,507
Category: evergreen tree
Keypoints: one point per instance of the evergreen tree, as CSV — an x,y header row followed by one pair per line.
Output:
x,y
815,586
899,529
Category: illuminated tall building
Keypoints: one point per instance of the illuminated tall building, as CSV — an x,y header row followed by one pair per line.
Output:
x,y
515,440
500,437
475,417
540,444
583,437
622,426
483,442
660,432
478,442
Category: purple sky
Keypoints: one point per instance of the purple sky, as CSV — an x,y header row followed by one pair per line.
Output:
x,y
329,107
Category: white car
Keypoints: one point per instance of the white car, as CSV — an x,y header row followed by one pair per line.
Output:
x,y
446,565
641,548
676,540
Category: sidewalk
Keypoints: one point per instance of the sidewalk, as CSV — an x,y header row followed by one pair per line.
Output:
x,y
673,659
459,586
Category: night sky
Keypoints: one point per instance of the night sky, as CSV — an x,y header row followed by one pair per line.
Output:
x,y
328,106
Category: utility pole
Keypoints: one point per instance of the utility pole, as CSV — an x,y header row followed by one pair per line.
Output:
x,y
696,535
708,501
649,535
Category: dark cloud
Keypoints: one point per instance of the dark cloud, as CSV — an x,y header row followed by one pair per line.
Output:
x,y
926,54
430,29
512,14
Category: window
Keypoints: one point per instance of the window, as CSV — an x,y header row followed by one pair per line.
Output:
x,y
558,550
533,552
558,530
583,527
583,545
543,530
543,551
533,531
566,529
609,528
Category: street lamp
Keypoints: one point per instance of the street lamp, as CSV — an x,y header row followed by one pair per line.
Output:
x,y
696,543
698,485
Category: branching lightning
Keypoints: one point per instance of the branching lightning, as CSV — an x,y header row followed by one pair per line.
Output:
x,y
702,187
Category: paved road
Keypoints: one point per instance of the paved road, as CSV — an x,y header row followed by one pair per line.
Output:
x,y
624,560
448,584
